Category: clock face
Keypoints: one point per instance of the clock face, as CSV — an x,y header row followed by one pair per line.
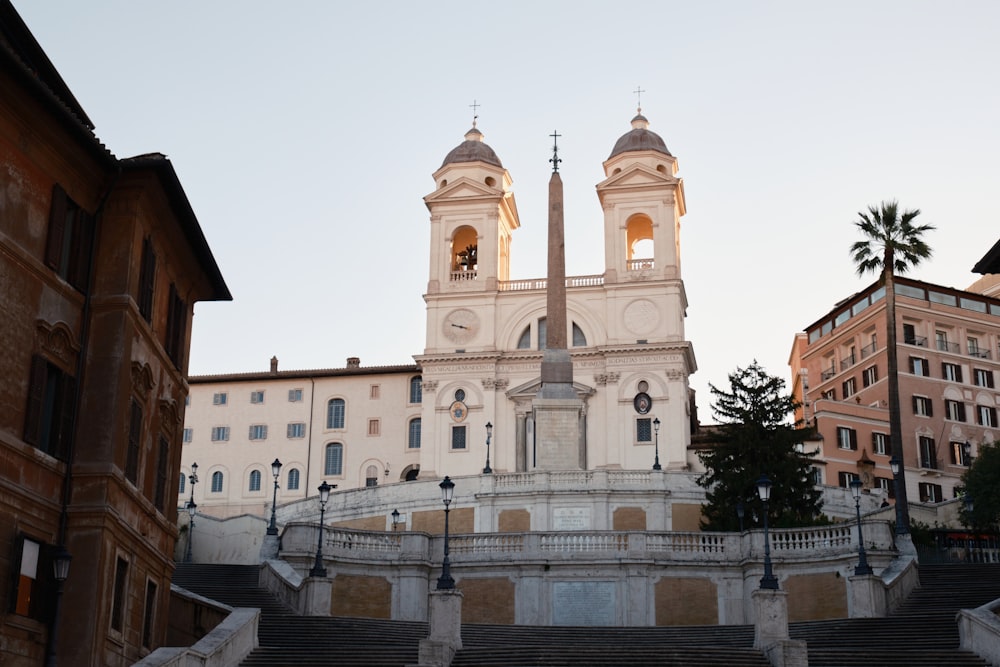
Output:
x,y
460,325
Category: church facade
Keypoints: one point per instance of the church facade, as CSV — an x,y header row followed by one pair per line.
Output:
x,y
478,377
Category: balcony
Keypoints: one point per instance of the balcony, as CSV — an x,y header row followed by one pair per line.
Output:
x,y
919,341
828,373
945,346
979,353
868,350
639,264
847,362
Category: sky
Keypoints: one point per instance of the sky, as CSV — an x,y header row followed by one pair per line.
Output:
x,y
305,134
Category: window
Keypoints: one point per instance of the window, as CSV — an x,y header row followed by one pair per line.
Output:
x,y
217,480
413,435
954,410
922,406
460,395
258,432
918,366
294,395
71,229
983,377
134,442
847,438
176,329
644,429
958,457
928,453
849,387
188,434
973,345
845,478
869,376
254,480
335,413
416,390
941,340
986,415
930,493
297,430
951,372
334,460
162,468
371,476
458,437
181,484
48,421
147,615
909,334
830,394
220,433
147,276
374,392
119,595
293,480
220,398
816,475
579,338
27,597
887,485
374,427
880,443
256,397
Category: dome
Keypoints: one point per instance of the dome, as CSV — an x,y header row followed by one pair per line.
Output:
x,y
640,138
473,149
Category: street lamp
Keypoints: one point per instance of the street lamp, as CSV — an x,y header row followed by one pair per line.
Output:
x,y
445,582
191,509
656,445
863,566
768,581
489,434
318,569
395,520
60,570
193,479
275,470
967,451
896,466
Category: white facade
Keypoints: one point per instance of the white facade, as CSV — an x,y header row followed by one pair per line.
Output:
x,y
482,358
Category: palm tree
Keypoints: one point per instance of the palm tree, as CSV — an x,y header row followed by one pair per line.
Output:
x,y
892,244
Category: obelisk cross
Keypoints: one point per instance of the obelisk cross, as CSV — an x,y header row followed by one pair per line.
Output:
x,y
555,151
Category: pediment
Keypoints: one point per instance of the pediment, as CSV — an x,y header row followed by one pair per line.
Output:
x,y
464,188
530,389
637,175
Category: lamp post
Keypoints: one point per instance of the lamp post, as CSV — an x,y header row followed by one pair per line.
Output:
x,y
318,569
395,519
275,470
193,479
768,581
656,444
445,582
489,434
898,484
863,566
191,509
969,506
741,512
60,570
967,451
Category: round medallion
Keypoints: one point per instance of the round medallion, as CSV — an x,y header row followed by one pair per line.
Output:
x,y
642,403
641,317
458,411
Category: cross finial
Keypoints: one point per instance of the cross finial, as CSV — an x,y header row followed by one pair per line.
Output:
x,y
638,98
555,151
475,114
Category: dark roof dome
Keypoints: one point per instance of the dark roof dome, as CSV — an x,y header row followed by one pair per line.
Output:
x,y
640,138
473,149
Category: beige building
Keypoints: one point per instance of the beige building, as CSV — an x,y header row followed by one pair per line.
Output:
x,y
948,363
359,426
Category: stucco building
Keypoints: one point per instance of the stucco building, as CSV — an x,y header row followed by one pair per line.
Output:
x,y
485,339
948,363
101,262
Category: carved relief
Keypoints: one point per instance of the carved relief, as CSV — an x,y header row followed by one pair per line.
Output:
x,y
429,385
674,374
56,342
498,384
607,378
142,379
170,416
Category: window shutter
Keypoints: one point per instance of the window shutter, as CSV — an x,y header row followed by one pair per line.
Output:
x,y
913,399
67,412
57,228
854,439
79,263
930,407
147,276
36,399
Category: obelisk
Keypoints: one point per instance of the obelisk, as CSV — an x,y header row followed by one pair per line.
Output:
x,y
559,444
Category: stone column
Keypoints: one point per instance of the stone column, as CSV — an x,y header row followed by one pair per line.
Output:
x,y
445,629
771,630
868,598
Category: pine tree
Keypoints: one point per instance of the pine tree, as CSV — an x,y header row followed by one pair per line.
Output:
x,y
756,437
982,483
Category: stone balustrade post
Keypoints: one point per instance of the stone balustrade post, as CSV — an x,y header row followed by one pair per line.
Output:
x,y
771,630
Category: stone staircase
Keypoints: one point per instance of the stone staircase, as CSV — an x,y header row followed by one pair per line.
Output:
x,y
922,632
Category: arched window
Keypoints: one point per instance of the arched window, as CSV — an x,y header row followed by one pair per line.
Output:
x,y
416,389
293,479
334,459
255,480
335,413
216,482
639,242
579,339
524,342
371,476
181,483
464,250
413,438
